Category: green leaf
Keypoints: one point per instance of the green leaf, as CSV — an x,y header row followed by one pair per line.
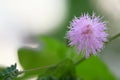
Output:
x,y
94,69
51,52
65,70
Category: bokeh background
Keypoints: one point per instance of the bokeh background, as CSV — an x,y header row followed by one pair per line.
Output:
x,y
32,34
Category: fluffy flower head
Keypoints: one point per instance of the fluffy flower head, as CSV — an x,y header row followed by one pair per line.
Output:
x,y
88,34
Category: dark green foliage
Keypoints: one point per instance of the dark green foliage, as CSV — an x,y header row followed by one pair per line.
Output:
x,y
65,70
9,73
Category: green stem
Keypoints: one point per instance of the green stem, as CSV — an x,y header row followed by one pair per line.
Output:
x,y
113,38
81,60
36,69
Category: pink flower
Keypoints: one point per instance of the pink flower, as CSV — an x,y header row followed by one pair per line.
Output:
x,y
87,34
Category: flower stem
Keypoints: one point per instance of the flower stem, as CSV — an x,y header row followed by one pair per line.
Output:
x,y
113,38
36,69
81,60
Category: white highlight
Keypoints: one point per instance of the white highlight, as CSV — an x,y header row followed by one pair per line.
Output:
x,y
18,18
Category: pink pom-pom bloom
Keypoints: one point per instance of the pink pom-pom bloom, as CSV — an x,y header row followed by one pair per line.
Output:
x,y
88,34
